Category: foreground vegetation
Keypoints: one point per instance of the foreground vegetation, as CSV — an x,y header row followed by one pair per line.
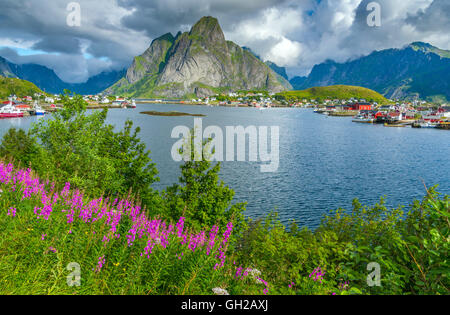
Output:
x,y
68,202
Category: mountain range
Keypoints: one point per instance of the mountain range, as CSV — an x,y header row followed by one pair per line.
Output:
x,y
202,62
48,81
418,70
196,64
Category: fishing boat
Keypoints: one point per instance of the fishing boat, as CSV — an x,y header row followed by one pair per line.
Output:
x,y
132,105
363,119
9,111
424,124
38,110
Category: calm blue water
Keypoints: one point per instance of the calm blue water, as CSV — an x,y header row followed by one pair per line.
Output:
x,y
325,162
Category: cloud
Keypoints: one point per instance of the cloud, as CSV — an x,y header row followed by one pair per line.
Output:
x,y
293,33
75,53
432,19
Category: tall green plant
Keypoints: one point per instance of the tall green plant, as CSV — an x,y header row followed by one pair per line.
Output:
x,y
79,147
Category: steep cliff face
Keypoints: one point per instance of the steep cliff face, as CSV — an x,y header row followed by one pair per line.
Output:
x,y
200,62
417,70
5,69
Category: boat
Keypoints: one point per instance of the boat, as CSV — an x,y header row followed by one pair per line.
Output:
x,y
444,125
132,105
9,111
424,124
38,111
363,119
394,125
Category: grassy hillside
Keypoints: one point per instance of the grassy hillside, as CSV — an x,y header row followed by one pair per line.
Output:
x,y
336,92
18,87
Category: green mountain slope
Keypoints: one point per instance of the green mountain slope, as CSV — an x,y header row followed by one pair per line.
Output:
x,y
336,92
18,87
194,64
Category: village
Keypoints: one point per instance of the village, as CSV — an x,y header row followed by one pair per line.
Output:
x,y
417,114
41,104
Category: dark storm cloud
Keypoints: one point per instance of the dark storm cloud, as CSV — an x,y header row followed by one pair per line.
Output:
x,y
161,16
434,18
62,44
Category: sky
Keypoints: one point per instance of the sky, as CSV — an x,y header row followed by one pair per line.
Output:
x,y
296,34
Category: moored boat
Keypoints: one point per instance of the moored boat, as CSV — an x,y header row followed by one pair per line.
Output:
x,y
424,124
363,119
38,110
132,105
9,111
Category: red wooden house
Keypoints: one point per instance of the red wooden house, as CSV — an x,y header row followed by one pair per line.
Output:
x,y
361,106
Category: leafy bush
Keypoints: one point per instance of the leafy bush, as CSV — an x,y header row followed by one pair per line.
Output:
x,y
411,250
82,149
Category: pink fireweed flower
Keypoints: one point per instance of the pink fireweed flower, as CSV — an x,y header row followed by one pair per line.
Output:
x,y
180,227
223,247
212,239
149,248
12,212
100,263
66,190
77,209
262,281
317,274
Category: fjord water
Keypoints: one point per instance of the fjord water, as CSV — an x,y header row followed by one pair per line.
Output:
x,y
325,162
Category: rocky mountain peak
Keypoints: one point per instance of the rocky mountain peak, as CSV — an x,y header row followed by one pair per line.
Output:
x,y
194,64
208,28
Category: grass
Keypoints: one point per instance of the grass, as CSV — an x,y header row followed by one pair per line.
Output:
x,y
340,92
18,87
